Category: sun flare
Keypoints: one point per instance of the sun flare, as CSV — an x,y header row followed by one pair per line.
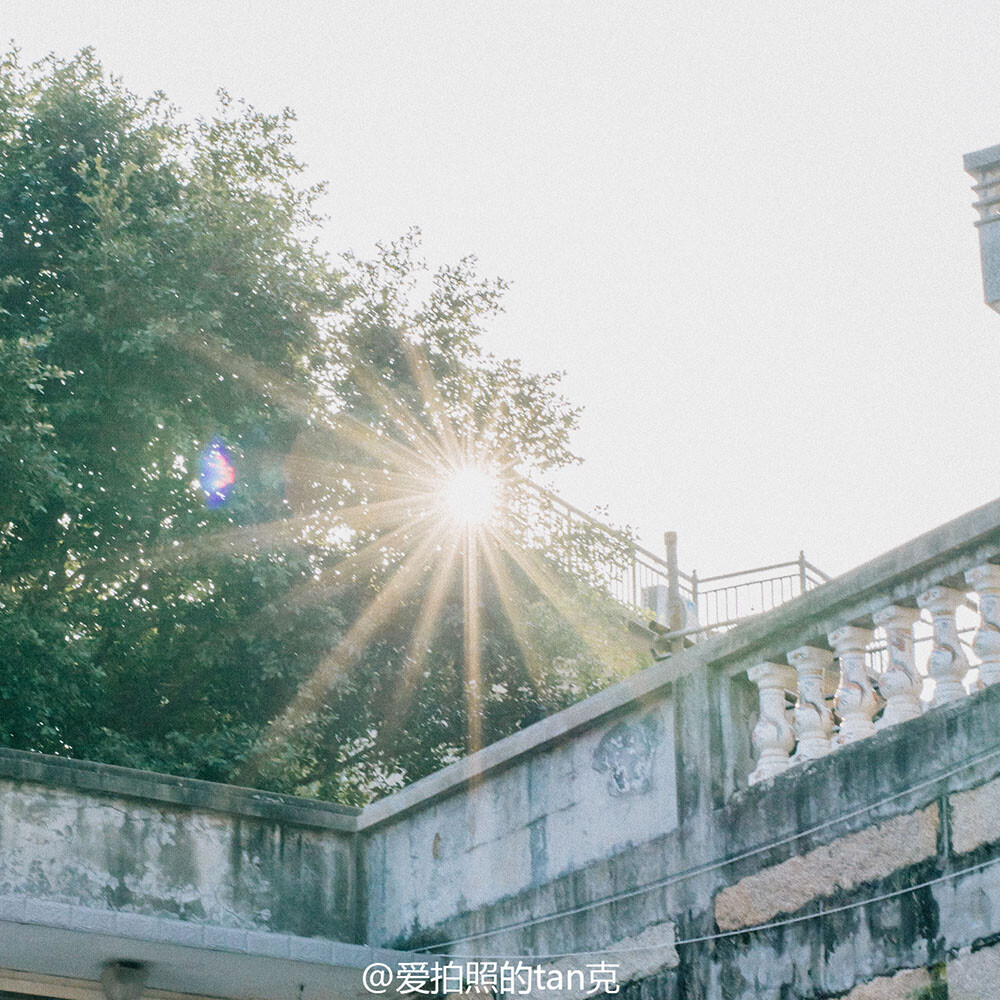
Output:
x,y
425,501
470,495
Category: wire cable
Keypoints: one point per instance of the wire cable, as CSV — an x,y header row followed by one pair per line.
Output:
x,y
710,866
787,921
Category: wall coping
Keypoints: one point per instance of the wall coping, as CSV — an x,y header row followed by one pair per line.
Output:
x,y
981,158
191,793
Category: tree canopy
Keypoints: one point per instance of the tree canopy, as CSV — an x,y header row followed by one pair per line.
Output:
x,y
161,288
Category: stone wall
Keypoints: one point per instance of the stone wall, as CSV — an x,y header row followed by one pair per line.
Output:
x,y
522,824
811,849
825,855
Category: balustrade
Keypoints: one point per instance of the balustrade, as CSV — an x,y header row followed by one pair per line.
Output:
x,y
772,736
986,644
900,684
813,717
823,719
855,698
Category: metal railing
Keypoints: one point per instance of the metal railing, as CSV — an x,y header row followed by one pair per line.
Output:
x,y
749,592
610,558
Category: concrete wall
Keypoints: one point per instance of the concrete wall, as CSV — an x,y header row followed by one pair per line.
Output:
x,y
525,822
905,807
116,840
459,861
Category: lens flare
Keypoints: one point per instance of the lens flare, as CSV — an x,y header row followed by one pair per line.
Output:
x,y
218,474
430,495
470,495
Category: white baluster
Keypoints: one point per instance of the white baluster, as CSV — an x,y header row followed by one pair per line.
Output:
x,y
855,698
947,663
813,718
773,737
986,644
900,683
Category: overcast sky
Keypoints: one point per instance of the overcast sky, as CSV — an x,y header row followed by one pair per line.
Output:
x,y
742,229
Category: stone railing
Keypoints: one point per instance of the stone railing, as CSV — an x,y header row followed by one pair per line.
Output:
x,y
834,691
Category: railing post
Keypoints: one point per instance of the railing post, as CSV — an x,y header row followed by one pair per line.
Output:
x,y
675,617
900,682
986,644
773,737
694,594
855,699
813,718
947,663
802,571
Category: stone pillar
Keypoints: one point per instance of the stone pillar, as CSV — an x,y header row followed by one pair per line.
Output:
x,y
813,718
855,698
947,664
900,683
986,644
773,737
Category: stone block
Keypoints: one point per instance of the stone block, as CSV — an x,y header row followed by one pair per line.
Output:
x,y
975,817
865,856
225,938
975,975
904,985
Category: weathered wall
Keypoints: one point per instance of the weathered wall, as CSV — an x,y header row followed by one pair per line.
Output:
x,y
912,808
520,825
452,861
112,839
885,814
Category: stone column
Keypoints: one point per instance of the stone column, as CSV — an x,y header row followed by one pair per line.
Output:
x,y
947,664
813,718
900,683
986,643
855,698
773,737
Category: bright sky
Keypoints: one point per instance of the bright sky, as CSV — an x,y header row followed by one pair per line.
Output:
x,y
742,229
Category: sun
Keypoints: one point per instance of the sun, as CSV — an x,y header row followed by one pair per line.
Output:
x,y
469,495
425,502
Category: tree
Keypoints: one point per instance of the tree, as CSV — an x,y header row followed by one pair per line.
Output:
x,y
161,287
398,712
